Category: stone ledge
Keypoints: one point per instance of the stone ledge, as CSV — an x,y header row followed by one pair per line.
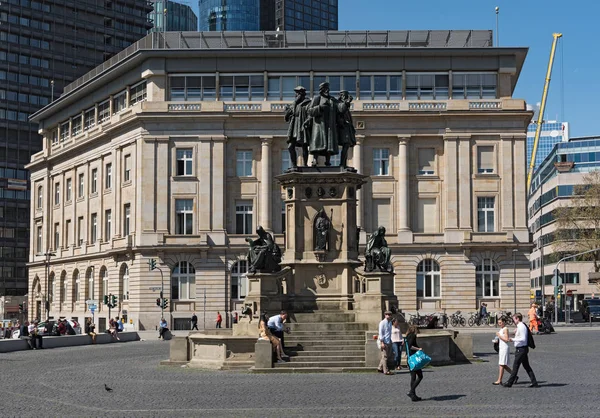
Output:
x,y
9,345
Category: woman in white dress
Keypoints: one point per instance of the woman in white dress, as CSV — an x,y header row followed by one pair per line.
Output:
x,y
503,353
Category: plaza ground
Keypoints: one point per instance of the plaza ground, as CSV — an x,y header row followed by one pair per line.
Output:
x,y
70,382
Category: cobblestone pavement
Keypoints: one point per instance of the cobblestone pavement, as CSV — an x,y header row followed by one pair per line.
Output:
x,y
70,382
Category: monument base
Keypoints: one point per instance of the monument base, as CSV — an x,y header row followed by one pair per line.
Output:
x,y
375,296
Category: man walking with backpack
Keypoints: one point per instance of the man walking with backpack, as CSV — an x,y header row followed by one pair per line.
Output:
x,y
523,341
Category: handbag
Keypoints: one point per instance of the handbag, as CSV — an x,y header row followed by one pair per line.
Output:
x,y
496,346
418,360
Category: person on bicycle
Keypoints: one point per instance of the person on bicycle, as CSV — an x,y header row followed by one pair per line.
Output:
x,y
482,311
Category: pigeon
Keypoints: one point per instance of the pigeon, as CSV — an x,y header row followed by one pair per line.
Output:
x,y
107,388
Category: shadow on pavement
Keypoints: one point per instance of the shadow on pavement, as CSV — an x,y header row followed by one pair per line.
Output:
x,y
446,398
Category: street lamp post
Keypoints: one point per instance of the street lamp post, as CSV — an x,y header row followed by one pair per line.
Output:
x,y
165,27
47,256
514,253
497,29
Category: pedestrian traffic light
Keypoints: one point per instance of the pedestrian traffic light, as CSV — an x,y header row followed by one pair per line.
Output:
x,y
165,303
158,302
560,289
21,308
152,264
113,300
105,299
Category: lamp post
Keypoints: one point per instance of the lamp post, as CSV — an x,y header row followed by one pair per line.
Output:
x,y
47,256
514,253
165,27
497,33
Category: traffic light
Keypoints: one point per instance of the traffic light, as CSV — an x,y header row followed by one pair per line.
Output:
x,y
21,308
560,289
113,300
165,303
152,264
105,299
158,302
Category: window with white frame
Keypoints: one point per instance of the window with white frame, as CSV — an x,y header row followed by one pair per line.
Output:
x,y
126,219
127,168
184,216
67,232
54,136
76,286
89,119
90,284
485,214
193,88
281,87
107,224
104,278
40,197
51,284
426,161
474,86
56,236
243,163
243,218
183,281
39,243
119,103
81,185
56,193
125,282
108,176
103,111
184,162
380,86
69,190
487,279
94,181
93,227
76,125
64,131
242,87
239,280
485,159
381,161
428,279
427,86
63,289
137,93
80,231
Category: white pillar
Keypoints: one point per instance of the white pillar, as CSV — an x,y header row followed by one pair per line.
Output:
x,y
265,184
403,184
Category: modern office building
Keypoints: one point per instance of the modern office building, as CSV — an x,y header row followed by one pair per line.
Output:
x,y
179,17
44,45
179,148
552,187
252,15
551,134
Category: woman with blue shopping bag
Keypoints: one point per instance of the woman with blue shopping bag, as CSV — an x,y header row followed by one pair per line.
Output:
x,y
416,360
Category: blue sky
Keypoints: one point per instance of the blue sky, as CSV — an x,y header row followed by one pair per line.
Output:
x,y
528,23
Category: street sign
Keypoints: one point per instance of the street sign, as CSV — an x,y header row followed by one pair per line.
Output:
x,y
509,284
538,293
92,308
569,292
91,302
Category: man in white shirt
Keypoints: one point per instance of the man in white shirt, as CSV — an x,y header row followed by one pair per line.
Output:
x,y
275,325
521,353
384,341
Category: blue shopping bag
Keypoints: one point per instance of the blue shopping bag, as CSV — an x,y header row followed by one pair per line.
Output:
x,y
418,360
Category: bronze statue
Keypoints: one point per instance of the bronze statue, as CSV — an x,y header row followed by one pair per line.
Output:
x,y
264,255
325,112
347,132
377,253
296,115
322,225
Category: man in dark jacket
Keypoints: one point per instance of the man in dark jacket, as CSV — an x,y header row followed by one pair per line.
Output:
x,y
194,322
24,334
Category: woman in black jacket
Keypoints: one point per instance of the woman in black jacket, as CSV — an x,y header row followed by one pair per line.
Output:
x,y
415,375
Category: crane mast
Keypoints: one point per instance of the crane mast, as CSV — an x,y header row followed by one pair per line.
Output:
x,y
540,120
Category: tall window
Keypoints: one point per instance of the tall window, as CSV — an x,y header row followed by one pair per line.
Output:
x,y
125,281
93,227
285,161
183,279
426,161
428,279
485,159
51,284
127,168
184,162
137,93
94,180
107,224
239,280
108,176
76,126
104,279
89,119
488,279
81,185
39,244
126,218
243,218
103,111
184,215
57,193
119,103
76,286
56,236
381,161
67,232
244,163
90,284
80,231
63,289
485,214
69,190
40,197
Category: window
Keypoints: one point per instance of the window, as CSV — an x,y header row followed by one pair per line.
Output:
x,y
76,126
39,244
184,162
244,163
81,185
283,211
488,279
107,224
137,93
285,161
485,214
243,218
125,281
427,216
80,231
192,88
127,168
104,280
428,279
183,280
56,236
426,161
57,193
90,284
108,176
64,131
282,87
381,161
184,216
380,214
474,86
89,119
93,228
379,87
63,289
69,190
40,197
94,180
67,232
242,87
103,111
76,286
427,86
239,280
126,217
119,103
485,159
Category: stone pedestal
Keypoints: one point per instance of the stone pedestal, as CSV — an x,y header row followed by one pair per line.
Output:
x,y
375,295
267,292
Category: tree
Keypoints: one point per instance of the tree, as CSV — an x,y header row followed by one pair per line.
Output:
x,y
578,222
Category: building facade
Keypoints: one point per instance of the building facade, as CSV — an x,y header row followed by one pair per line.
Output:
x,y
179,17
41,52
551,134
552,187
172,155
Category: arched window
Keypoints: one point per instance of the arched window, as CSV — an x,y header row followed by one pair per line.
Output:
x,y
125,281
90,283
103,283
239,280
183,280
51,288
63,287
428,279
76,286
487,279
40,197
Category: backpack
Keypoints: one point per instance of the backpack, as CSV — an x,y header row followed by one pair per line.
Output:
x,y
530,342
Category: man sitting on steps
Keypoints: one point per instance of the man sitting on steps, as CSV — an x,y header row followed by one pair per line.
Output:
x,y
275,325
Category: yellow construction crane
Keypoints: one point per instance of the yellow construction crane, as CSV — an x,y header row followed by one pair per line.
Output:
x,y
540,120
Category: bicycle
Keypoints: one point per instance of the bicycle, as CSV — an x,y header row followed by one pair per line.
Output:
x,y
457,319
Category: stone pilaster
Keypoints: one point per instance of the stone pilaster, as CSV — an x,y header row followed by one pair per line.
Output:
x,y
403,196
265,184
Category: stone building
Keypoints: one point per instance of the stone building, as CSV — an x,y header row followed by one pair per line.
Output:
x,y
170,153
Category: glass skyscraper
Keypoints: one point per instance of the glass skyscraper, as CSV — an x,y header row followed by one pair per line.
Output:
x,y
250,15
180,17
552,133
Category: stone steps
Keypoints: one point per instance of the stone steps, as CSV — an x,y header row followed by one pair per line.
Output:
x,y
324,347
320,364
311,336
326,326
326,353
316,341
324,358
324,317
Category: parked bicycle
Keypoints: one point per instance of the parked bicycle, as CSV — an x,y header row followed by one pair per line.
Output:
x,y
478,320
457,319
